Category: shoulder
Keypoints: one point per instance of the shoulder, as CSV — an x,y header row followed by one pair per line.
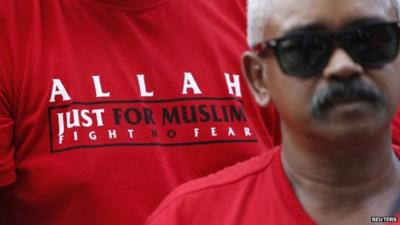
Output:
x,y
230,175
225,181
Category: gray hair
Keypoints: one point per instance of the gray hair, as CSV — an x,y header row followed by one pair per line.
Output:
x,y
258,14
396,3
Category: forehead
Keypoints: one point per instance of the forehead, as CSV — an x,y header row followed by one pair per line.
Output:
x,y
333,14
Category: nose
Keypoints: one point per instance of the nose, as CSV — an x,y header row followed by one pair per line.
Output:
x,y
341,65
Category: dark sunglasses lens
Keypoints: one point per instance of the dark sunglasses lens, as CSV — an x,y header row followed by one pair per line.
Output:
x,y
303,55
373,45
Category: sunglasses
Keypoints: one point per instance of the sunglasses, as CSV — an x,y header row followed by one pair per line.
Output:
x,y
306,53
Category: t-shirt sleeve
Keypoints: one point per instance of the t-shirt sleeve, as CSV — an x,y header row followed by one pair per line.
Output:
x,y
166,214
175,209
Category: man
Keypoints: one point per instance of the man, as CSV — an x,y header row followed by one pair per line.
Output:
x,y
331,68
106,105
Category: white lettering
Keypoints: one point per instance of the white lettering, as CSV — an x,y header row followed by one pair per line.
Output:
x,y
142,87
92,135
112,134
98,88
231,132
214,131
75,135
60,124
60,139
130,131
87,121
189,82
74,121
99,117
196,132
233,86
58,89
247,131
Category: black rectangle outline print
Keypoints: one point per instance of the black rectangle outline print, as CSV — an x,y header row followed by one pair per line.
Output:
x,y
52,150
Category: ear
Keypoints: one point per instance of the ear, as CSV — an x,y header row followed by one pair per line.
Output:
x,y
255,74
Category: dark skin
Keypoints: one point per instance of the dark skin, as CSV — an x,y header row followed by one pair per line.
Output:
x,y
342,165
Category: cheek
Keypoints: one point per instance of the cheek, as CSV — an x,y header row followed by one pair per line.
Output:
x,y
394,94
389,81
290,95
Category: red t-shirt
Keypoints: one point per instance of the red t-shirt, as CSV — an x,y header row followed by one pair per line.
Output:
x,y
253,192
106,106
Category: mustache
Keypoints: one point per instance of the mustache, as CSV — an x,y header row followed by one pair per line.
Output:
x,y
342,90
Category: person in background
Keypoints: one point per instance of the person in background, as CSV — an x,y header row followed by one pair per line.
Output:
x,y
332,70
107,105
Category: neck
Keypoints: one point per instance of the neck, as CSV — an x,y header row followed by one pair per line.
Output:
x,y
342,177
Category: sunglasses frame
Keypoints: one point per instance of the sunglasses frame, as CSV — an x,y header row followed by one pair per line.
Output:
x,y
336,39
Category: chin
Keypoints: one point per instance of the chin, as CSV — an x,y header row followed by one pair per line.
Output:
x,y
353,125
355,130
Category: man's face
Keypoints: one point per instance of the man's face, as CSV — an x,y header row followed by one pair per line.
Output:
x,y
345,97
